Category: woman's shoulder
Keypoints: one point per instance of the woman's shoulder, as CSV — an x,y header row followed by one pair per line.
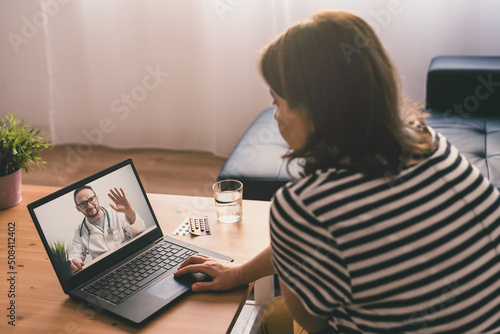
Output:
x,y
315,184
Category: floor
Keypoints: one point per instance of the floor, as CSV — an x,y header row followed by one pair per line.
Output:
x,y
161,171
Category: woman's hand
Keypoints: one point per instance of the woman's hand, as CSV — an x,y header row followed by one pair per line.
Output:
x,y
225,275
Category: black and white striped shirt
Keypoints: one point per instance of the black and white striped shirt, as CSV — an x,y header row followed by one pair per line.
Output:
x,y
417,252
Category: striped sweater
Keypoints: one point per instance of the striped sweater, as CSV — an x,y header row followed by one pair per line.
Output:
x,y
417,252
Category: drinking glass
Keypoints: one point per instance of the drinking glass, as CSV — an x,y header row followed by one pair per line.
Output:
x,y
228,195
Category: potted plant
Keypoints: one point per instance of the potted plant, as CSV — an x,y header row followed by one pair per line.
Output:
x,y
60,253
19,149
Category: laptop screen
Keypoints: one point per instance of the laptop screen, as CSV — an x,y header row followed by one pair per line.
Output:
x,y
86,223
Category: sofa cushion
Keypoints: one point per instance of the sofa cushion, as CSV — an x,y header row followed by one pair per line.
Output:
x,y
463,98
464,85
476,137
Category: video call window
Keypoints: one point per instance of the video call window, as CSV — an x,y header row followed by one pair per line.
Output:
x,y
80,235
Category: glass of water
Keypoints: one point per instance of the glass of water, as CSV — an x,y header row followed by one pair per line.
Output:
x,y
228,196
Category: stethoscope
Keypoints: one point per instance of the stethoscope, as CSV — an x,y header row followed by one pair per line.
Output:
x,y
110,230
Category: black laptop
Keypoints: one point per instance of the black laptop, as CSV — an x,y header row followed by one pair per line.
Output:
x,y
127,271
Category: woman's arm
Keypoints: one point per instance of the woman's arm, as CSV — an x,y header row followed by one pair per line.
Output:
x,y
227,275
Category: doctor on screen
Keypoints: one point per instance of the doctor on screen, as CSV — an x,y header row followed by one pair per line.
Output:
x,y
102,229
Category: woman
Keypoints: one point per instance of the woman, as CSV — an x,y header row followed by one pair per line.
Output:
x,y
390,229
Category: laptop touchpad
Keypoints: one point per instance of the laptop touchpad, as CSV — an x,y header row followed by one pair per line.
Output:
x,y
171,286
167,288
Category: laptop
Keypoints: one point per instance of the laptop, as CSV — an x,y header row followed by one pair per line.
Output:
x,y
127,268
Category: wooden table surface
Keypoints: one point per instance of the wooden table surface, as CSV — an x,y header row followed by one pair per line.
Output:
x,y
42,307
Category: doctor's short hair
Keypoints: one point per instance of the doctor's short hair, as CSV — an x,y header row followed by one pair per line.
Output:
x,y
77,190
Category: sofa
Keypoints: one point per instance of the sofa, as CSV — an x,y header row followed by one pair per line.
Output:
x,y
463,100
257,159
463,103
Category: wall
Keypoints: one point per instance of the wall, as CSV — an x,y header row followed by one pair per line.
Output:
x,y
183,74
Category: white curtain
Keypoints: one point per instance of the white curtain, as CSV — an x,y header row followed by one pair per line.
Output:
x,y
182,74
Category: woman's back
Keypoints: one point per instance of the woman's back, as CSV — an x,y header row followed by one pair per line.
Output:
x,y
416,252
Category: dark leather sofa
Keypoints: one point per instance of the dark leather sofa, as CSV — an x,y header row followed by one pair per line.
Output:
x,y
462,98
257,159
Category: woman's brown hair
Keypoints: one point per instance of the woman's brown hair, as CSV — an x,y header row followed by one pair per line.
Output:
x,y
335,68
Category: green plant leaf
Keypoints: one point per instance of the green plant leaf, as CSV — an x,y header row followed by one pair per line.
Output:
x,y
59,249
20,145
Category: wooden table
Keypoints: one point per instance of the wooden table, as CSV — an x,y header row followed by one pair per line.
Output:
x,y
42,307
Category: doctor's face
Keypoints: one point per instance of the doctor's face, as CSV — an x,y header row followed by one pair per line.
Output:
x,y
87,203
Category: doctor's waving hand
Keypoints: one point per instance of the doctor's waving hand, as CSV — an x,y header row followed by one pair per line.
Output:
x,y
102,229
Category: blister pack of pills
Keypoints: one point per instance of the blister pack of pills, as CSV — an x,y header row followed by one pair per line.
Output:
x,y
193,225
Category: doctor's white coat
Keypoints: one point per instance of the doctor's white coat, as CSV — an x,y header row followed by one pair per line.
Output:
x,y
97,242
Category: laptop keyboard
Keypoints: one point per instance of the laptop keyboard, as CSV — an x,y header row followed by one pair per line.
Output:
x,y
129,278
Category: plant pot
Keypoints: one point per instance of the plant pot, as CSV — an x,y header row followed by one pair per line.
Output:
x,y
10,189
